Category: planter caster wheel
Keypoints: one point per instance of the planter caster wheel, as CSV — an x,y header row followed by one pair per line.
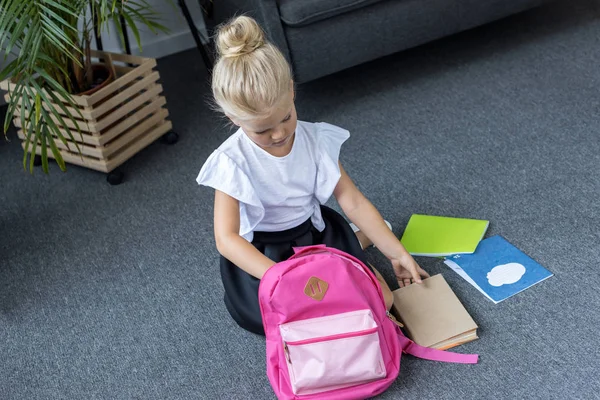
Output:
x,y
115,177
37,160
170,137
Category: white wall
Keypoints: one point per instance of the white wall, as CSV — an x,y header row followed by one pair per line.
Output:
x,y
178,39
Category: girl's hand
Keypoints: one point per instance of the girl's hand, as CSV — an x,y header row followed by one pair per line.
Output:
x,y
407,270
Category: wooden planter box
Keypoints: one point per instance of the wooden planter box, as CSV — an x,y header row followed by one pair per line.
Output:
x,y
118,121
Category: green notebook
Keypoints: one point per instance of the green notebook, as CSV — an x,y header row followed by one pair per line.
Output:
x,y
429,235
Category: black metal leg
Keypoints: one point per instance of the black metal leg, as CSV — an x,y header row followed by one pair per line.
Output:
x,y
125,35
97,35
206,57
207,6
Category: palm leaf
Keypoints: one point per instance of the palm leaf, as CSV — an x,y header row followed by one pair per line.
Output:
x,y
56,100
134,29
54,85
38,108
56,153
9,70
31,40
58,18
8,19
147,15
42,57
117,23
146,18
34,48
28,134
16,94
58,38
44,154
55,130
52,125
45,97
18,32
26,105
69,11
34,144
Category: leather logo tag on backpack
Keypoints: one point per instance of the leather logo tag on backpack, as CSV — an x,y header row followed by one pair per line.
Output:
x,y
316,288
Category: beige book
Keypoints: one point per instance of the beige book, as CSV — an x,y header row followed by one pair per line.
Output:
x,y
432,314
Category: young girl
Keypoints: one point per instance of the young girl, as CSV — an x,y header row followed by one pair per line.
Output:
x,y
272,177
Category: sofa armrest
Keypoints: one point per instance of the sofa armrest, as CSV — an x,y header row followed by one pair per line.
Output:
x,y
266,13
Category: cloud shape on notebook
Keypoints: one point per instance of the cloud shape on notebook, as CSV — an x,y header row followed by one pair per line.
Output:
x,y
505,274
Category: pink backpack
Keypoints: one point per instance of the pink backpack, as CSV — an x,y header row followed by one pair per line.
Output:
x,y
328,333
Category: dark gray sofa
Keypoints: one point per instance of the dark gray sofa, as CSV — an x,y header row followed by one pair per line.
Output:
x,y
321,37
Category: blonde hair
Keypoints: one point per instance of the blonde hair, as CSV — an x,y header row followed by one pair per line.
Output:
x,y
251,76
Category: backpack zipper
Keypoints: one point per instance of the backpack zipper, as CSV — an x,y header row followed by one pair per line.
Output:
x,y
287,353
394,320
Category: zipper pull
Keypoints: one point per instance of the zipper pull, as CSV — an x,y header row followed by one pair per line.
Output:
x,y
391,316
287,353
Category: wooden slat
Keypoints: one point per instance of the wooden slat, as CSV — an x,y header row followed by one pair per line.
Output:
x,y
79,100
125,58
127,123
120,98
130,106
105,137
120,82
92,151
83,138
85,126
124,139
121,70
83,161
86,114
138,145
97,127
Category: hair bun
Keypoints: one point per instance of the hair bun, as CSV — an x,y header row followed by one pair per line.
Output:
x,y
240,36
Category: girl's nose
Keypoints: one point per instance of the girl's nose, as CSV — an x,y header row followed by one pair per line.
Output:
x,y
278,134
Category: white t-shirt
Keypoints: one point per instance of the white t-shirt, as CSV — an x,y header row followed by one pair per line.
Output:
x,y
278,193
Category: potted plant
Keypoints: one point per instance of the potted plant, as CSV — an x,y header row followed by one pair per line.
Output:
x,y
61,94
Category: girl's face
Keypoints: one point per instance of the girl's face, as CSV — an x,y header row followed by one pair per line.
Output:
x,y
275,133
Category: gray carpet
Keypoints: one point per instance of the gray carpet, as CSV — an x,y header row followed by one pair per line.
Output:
x,y
114,292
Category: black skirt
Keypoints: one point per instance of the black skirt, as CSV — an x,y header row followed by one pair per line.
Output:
x,y
241,288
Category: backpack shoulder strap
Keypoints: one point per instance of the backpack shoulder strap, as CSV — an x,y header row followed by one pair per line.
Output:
x,y
427,353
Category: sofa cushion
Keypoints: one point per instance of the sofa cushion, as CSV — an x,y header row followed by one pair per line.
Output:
x,y
299,13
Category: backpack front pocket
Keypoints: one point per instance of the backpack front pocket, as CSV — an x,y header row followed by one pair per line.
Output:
x,y
332,352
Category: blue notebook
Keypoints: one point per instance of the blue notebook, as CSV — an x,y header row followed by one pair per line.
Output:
x,y
498,269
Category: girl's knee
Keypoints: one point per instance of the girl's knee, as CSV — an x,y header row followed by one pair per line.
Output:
x,y
388,296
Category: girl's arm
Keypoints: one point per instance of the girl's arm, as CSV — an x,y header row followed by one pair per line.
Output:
x,y
229,242
366,217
